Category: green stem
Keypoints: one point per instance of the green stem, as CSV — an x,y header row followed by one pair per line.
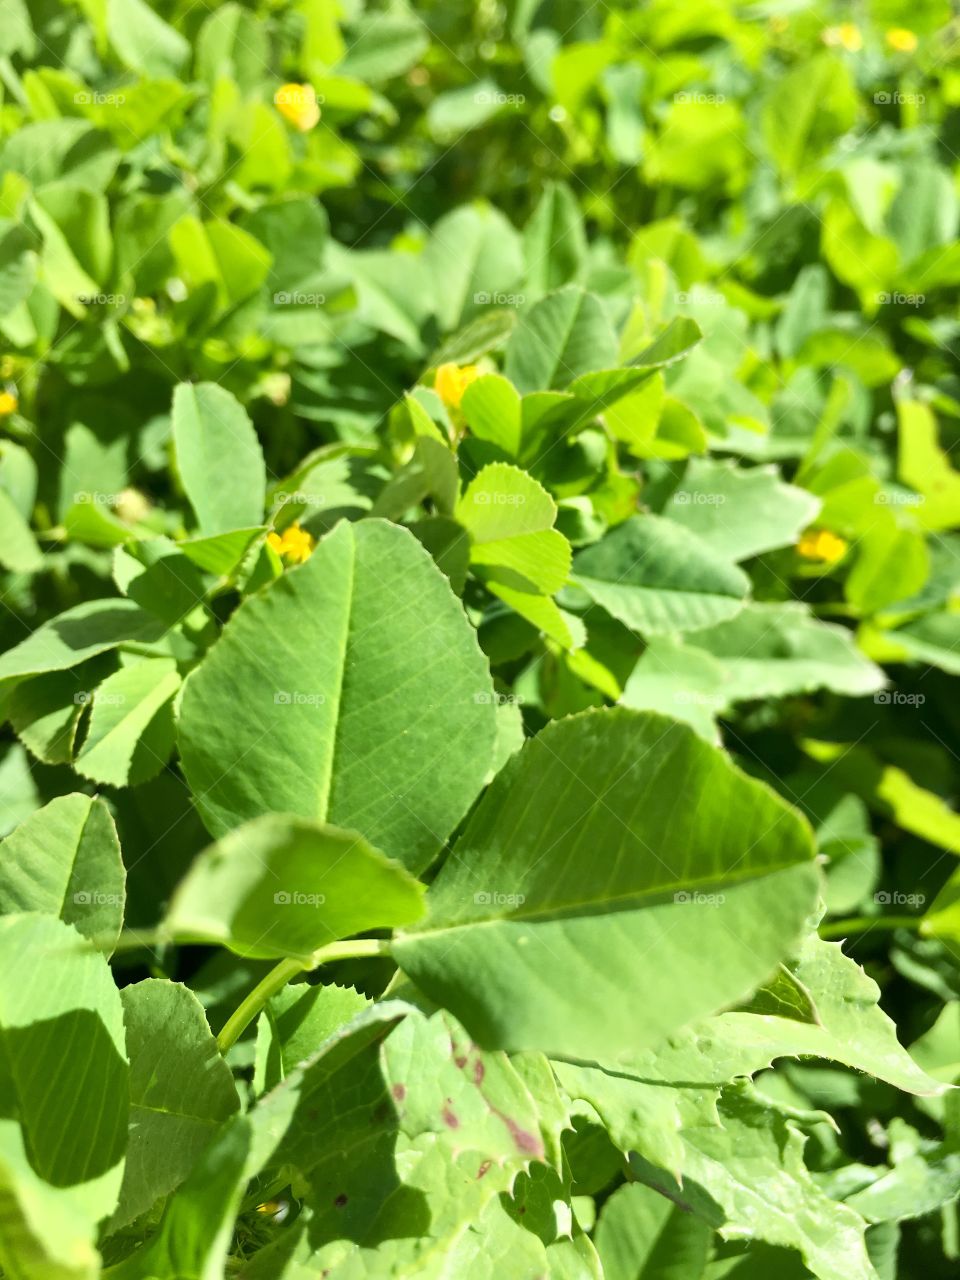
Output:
x,y
280,975
863,924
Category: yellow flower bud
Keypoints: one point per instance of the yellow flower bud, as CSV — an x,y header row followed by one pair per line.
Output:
x,y
845,36
452,381
8,403
901,40
298,104
822,545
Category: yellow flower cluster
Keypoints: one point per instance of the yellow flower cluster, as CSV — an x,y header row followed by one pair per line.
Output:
x,y
8,403
452,381
821,544
901,40
293,545
845,36
298,104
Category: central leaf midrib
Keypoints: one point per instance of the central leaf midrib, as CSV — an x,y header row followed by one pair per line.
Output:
x,y
75,856
177,1115
563,349
641,899
325,789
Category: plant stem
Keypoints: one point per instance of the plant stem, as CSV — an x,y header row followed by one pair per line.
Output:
x,y
863,924
280,975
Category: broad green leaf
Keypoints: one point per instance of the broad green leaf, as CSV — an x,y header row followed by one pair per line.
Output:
x,y
218,457
19,794
295,231
181,1091
487,332
771,650
80,633
458,111
19,551
925,466
857,258
746,1177
700,147
644,1236
64,860
131,734
541,611
554,241
644,1107
296,1021
849,1026
892,563
491,406
157,575
233,43
918,1185
393,290
890,792
337,1094
223,552
278,887
514,548
678,338
63,1134
521,936
82,217
510,518
220,256
681,682
806,109
620,393
196,1230
142,39
462,1123
398,748
339,1090
380,46
477,1101
59,268
45,710
448,544
740,512
85,522
656,577
942,919
806,308
565,334
473,257
430,473
933,640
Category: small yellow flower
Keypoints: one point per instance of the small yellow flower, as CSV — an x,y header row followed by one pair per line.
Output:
x,y
452,381
845,36
901,39
298,104
821,544
293,545
8,403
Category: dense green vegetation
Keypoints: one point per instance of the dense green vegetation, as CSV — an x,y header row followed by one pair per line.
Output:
x,y
480,564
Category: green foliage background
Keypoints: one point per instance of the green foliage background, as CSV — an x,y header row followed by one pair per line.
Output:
x,y
492,549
